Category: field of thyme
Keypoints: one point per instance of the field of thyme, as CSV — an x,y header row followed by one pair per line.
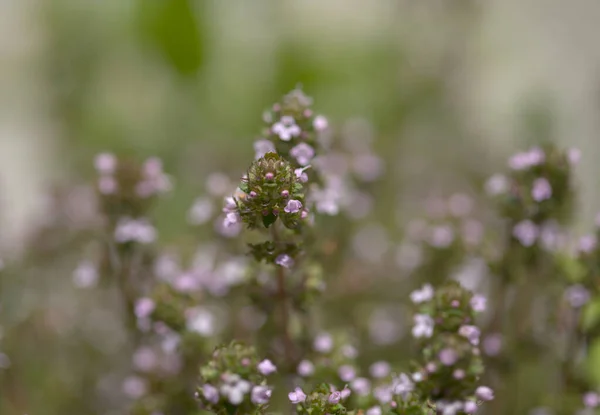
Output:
x,y
251,209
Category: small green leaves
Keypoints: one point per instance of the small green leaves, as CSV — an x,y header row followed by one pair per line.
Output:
x,y
269,219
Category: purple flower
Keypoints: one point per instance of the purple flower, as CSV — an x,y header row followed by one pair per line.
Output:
x,y
492,344
145,359
260,395
232,218
84,276
526,232
541,190
441,236
496,185
525,160
484,393
286,128
591,400
266,367
402,385
383,393
346,373
105,163
470,332
211,394
303,153
423,326
293,206
135,387
285,261
478,303
201,211
323,343
346,392
134,230
361,386
297,396
229,205
144,307
470,407
380,369
301,174
375,410
423,295
573,155
588,243
448,356
320,123
305,368
107,185
335,397
458,374
577,295
262,147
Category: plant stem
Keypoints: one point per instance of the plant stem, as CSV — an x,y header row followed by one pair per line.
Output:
x,y
288,345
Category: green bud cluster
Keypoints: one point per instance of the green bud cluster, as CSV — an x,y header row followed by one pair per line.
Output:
x,y
270,189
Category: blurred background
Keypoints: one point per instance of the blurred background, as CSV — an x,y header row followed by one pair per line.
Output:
x,y
446,88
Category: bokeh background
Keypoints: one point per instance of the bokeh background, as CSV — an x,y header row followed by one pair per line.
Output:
x,y
446,89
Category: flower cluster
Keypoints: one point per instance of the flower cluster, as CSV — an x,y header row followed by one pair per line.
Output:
x,y
271,191
126,188
322,400
234,381
292,130
537,194
450,364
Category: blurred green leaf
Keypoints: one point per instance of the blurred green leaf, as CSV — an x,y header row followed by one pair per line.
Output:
x,y
590,316
172,28
593,362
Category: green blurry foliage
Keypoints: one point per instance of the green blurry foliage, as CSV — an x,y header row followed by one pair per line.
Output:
x,y
173,29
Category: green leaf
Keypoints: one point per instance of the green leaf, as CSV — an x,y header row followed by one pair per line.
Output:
x,y
593,362
171,28
572,268
269,219
590,316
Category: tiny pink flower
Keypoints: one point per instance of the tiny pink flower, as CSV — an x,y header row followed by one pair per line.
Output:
x,y
293,206
266,367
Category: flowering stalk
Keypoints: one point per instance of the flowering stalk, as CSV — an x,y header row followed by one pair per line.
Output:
x,y
234,381
535,200
450,367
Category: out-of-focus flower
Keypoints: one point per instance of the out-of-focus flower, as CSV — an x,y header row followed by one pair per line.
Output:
x,y
297,396
286,128
305,368
541,190
380,369
303,153
423,326
423,295
323,343
260,395
484,393
266,367
84,276
201,211
526,232
285,261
